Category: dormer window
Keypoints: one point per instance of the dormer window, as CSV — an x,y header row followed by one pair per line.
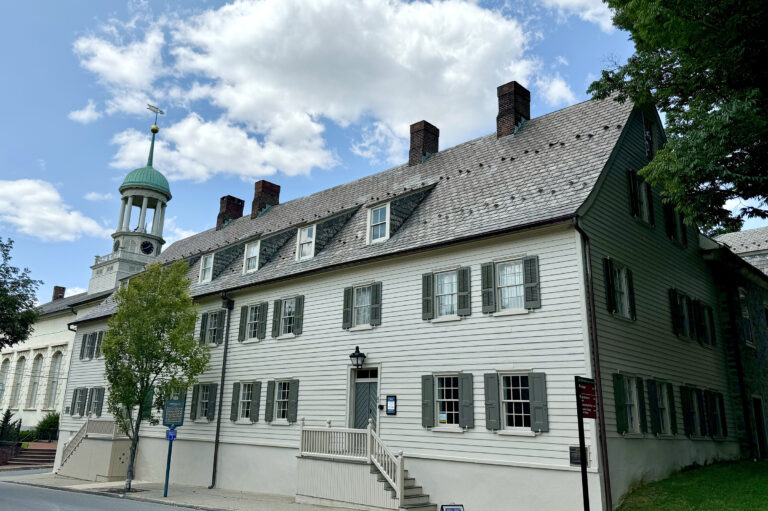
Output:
x,y
306,243
378,221
251,258
206,268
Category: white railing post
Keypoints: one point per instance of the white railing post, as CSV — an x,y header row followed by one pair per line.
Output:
x,y
369,440
302,446
400,475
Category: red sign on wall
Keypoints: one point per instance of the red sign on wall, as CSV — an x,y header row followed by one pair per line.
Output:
x,y
585,396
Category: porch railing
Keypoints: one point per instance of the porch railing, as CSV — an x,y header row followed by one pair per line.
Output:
x,y
103,427
348,444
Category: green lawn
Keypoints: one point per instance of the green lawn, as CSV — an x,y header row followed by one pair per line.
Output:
x,y
739,486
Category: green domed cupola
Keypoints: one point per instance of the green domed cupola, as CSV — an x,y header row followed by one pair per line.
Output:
x,y
147,177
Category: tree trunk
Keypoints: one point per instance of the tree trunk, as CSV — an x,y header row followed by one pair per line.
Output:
x,y
134,446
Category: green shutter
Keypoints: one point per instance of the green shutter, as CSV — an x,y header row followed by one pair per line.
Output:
x,y
466,401
672,408
203,327
427,401
220,325
697,315
710,317
212,400
539,407
723,419
649,194
686,399
83,341
293,401
712,419
669,221
464,292
148,398
99,338
488,287
242,334
610,288
653,404
74,402
492,405
683,230
269,411
261,327
620,400
276,310
234,409
531,287
298,316
255,401
634,208
346,317
631,295
691,319
193,404
427,297
674,309
376,304
641,405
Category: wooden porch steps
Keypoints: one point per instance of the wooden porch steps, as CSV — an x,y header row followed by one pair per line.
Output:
x,y
414,498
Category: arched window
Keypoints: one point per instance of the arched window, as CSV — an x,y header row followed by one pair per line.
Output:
x,y
4,368
17,377
53,380
34,381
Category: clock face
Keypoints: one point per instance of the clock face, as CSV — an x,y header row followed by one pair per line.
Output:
x,y
116,246
147,247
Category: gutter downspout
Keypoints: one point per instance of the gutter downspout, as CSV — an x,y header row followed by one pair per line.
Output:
x,y
69,325
596,363
228,304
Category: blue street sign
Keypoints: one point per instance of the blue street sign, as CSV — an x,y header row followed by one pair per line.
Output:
x,y
173,412
170,435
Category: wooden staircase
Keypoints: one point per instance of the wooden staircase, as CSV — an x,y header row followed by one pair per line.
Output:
x,y
413,498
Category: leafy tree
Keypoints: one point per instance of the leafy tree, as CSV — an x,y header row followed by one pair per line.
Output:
x,y
17,299
150,348
47,425
703,64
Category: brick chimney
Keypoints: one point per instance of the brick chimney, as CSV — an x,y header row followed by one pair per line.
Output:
x,y
58,292
424,138
264,194
514,106
230,208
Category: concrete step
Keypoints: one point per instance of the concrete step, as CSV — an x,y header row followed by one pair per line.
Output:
x,y
419,507
29,463
414,499
33,456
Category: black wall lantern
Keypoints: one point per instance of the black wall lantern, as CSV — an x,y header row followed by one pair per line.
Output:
x,y
357,358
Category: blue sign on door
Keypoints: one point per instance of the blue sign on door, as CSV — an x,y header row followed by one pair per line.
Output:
x,y
173,412
170,435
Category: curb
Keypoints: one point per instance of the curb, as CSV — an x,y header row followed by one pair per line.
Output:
x,y
119,496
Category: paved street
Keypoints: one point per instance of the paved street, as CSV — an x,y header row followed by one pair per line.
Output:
x,y
20,497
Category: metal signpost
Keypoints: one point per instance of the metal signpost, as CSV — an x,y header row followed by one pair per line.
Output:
x,y
173,417
586,408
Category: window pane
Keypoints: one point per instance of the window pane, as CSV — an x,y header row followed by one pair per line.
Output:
x,y
510,285
515,401
289,310
447,399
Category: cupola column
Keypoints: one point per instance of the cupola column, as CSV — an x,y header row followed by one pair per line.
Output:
x,y
129,208
162,220
122,214
143,214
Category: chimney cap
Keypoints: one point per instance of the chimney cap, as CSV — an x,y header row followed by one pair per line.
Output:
x,y
425,126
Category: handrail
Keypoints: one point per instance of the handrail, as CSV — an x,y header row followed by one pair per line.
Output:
x,y
390,466
72,444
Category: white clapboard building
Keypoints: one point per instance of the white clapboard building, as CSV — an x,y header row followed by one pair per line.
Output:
x,y
477,281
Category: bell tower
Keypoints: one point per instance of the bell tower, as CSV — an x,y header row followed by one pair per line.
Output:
x,y
137,239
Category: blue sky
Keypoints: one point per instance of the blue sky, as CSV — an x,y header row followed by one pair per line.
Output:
x,y
305,93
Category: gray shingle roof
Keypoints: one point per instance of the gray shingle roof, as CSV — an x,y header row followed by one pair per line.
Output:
x,y
487,185
71,301
751,240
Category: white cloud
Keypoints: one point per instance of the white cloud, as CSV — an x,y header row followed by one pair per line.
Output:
x,y
34,207
172,232
561,60
556,91
96,196
87,114
70,291
277,70
593,11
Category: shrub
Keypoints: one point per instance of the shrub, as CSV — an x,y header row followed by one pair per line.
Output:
x,y
48,426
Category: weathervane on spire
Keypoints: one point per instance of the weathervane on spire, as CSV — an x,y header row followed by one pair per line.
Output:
x,y
154,129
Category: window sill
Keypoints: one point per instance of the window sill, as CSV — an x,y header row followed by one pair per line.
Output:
x,y
751,345
445,319
285,336
447,429
201,421
252,340
244,422
30,409
516,432
622,317
633,435
643,222
377,241
510,312
280,422
360,328
665,436
212,344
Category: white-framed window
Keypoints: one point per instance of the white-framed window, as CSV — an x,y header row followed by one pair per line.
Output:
x,y
246,396
447,399
81,396
446,293
509,285
746,320
34,381
252,323
644,198
631,405
362,306
54,375
683,303
282,392
696,412
717,413
4,370
306,243
90,345
203,401
621,290
662,392
515,401
251,257
206,268
212,327
16,391
287,316
378,222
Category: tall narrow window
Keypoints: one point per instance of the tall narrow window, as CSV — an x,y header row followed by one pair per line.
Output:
x,y
447,400
206,268
253,321
16,391
306,249
379,223
288,314
34,381
362,315
446,292
516,401
630,403
251,257
53,380
696,412
510,284
81,395
212,327
246,395
4,369
282,392
746,321
621,290
662,394
205,398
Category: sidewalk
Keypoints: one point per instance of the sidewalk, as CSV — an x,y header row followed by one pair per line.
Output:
x,y
189,496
